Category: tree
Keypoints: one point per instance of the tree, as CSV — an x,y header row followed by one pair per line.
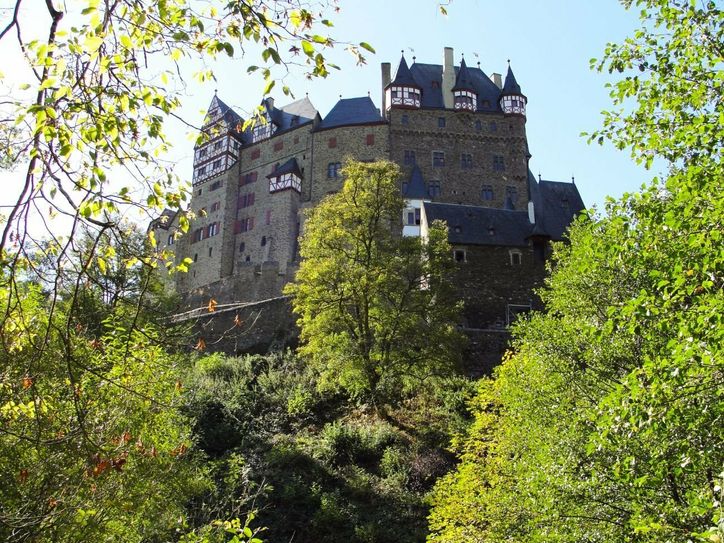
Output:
x,y
375,309
87,131
604,424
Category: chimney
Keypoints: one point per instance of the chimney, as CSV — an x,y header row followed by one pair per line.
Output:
x,y
386,78
448,78
497,79
270,103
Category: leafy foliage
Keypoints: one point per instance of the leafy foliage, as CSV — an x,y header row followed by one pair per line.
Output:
x,y
605,422
376,309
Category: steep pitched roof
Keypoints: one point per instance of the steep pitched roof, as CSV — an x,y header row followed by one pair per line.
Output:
x,y
352,111
403,76
561,203
429,79
415,188
475,225
292,115
463,81
290,166
511,85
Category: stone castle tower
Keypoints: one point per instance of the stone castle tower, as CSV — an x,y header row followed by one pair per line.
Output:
x,y
459,137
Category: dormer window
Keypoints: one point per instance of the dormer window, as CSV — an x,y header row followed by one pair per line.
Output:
x,y
403,96
263,129
465,100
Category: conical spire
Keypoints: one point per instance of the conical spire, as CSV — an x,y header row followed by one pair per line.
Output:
x,y
403,77
463,80
511,85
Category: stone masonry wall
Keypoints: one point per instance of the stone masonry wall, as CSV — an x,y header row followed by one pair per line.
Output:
x,y
483,136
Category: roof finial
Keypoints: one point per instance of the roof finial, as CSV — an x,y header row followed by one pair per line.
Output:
x,y
539,179
573,179
368,94
414,58
478,65
340,96
215,91
508,62
403,52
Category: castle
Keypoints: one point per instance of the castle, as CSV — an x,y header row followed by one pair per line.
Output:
x,y
459,138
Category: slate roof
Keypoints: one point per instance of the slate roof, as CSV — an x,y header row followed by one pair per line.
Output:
x,y
403,76
560,202
475,225
511,85
415,189
556,204
352,111
290,166
429,78
463,80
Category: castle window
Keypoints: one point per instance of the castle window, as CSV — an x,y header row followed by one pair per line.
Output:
x,y
466,161
256,153
263,241
196,257
236,145
405,119
217,145
333,169
213,229
198,193
486,192
268,216
296,139
202,152
498,163
248,178
198,235
512,193
433,189
245,200
493,126
332,143
211,250
278,146
410,217
216,165
242,246
459,255
409,158
201,170
215,206
441,122
370,140
516,257
403,96
171,239
438,159
465,100
244,225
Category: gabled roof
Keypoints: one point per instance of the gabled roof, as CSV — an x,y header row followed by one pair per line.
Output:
x,y
165,220
290,166
561,203
415,189
463,81
475,225
429,79
352,111
511,85
297,113
403,77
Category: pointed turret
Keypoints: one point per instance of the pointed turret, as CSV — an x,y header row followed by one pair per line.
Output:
x,y
218,146
512,100
464,96
403,91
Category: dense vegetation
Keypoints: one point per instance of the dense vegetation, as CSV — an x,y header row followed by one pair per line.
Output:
x,y
603,424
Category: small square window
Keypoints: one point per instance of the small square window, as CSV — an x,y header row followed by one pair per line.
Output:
x,y
441,122
405,119
466,161
433,189
370,139
486,193
459,255
333,170
409,158
438,159
498,163
256,153
278,146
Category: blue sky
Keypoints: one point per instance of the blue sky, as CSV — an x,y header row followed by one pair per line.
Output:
x,y
549,44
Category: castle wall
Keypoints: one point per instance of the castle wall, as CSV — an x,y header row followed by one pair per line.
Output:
x,y
482,136
488,281
336,145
